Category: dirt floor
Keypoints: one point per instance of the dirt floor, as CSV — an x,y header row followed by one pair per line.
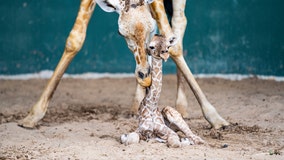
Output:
x,y
86,118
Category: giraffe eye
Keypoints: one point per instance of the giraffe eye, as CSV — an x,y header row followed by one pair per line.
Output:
x,y
152,47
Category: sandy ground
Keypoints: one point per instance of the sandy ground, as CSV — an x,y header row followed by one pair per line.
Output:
x,y
86,118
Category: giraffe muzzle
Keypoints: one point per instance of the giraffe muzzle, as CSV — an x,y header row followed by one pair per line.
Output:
x,y
144,77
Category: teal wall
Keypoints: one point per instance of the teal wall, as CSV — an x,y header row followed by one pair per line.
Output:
x,y
223,36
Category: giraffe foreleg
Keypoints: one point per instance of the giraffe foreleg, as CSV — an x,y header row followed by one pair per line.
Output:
x,y
179,23
208,110
138,97
178,28
73,45
181,99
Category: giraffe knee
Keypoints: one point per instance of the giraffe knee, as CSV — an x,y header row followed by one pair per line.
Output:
x,y
176,50
74,42
174,142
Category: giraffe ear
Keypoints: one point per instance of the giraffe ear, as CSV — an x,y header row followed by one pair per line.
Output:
x,y
172,41
109,5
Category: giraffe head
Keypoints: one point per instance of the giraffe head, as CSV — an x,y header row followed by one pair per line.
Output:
x,y
159,46
135,23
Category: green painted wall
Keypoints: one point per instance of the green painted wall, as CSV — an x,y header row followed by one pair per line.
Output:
x,y
223,36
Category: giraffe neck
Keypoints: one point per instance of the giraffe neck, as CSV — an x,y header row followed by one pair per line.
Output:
x,y
154,91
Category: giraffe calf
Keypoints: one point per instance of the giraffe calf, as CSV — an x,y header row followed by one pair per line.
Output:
x,y
153,123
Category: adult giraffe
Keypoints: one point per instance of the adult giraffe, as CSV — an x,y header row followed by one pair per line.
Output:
x,y
136,23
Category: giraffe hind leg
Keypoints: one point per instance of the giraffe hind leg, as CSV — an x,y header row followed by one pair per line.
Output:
x,y
175,120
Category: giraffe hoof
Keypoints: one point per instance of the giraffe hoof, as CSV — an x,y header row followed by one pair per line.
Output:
x,y
215,120
186,142
123,138
27,123
130,138
197,140
221,124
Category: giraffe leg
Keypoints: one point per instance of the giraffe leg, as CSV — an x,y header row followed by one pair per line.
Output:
x,y
179,23
208,110
181,100
139,95
174,118
167,134
73,45
163,132
178,27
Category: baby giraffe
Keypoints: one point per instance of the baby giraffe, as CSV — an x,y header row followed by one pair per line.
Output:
x,y
152,122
